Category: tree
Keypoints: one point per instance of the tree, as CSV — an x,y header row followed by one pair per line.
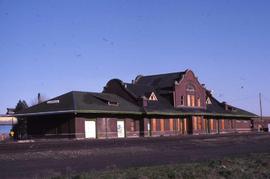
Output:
x,y
20,129
21,105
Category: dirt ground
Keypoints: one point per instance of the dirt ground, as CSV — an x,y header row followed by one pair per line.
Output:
x,y
62,157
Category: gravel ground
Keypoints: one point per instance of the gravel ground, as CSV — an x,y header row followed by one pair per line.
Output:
x,y
61,157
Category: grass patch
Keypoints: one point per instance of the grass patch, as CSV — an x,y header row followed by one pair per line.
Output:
x,y
251,166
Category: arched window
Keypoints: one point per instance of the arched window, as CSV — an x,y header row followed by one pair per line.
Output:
x,y
190,95
190,87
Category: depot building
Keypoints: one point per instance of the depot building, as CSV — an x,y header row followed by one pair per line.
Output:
x,y
150,106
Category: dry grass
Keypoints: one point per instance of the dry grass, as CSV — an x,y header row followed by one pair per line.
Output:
x,y
254,166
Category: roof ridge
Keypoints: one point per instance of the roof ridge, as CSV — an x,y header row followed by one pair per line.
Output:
x,y
136,84
163,74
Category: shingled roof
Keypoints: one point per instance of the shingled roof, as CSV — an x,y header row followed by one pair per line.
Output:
x,y
164,107
100,103
160,81
217,107
83,102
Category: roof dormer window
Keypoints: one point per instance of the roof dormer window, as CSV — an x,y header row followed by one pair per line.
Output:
x,y
152,97
208,101
112,103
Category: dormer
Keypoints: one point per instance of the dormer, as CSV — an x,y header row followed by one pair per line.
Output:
x,y
228,107
152,97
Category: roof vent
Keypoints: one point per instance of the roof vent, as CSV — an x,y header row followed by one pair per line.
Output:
x,y
53,102
112,103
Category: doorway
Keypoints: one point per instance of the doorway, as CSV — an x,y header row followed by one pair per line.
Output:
x,y
120,129
90,129
189,125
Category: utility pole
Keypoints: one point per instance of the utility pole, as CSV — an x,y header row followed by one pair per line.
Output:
x,y
260,97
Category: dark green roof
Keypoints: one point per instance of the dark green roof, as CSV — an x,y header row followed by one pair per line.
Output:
x,y
160,81
105,103
83,102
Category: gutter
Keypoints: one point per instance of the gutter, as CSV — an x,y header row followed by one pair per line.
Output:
x,y
78,111
132,112
199,114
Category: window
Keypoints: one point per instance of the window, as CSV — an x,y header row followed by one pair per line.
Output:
x,y
199,102
231,124
211,124
178,125
132,125
222,124
161,124
171,124
208,101
182,100
112,103
154,125
190,100
153,97
190,87
195,123
199,123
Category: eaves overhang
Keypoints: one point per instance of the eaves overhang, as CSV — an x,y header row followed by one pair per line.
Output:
x,y
135,113
78,112
199,114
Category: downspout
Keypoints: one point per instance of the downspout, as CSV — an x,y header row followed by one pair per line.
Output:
x,y
218,129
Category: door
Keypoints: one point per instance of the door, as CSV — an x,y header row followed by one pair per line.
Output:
x,y
90,129
189,125
120,129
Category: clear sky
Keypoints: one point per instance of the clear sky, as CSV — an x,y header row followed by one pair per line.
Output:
x,y
53,47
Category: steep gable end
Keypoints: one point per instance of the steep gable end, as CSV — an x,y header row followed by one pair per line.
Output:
x,y
160,81
153,97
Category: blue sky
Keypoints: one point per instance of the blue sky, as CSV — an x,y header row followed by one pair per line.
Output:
x,y
53,47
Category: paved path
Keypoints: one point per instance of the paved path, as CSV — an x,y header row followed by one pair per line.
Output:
x,y
56,157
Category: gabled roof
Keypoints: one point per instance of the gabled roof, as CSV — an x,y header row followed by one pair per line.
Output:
x,y
106,103
139,90
217,107
160,81
83,102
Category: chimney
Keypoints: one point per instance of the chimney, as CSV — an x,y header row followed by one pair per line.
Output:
x,y
143,101
225,105
39,98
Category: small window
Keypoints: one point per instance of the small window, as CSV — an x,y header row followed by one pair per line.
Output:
x,y
182,100
190,87
208,101
112,103
199,102
132,126
153,97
